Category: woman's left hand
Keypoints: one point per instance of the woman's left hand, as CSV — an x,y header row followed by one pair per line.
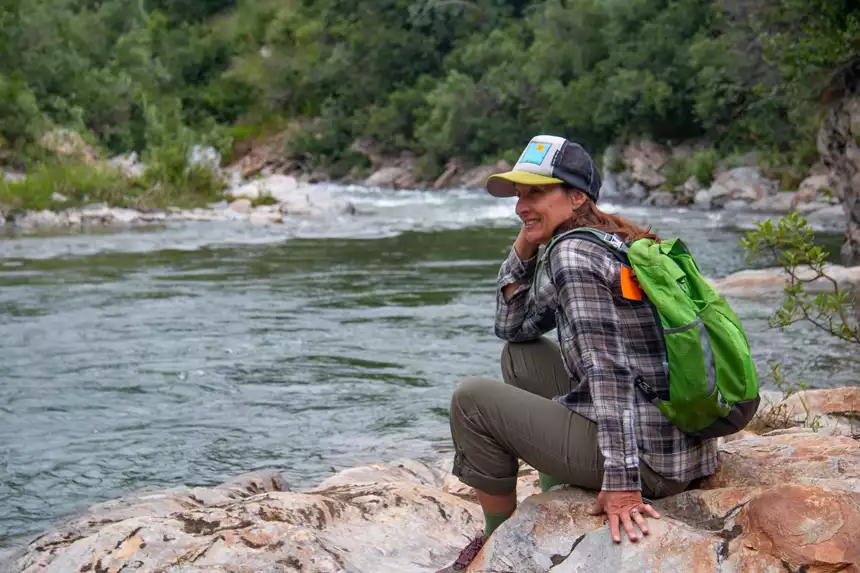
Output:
x,y
624,507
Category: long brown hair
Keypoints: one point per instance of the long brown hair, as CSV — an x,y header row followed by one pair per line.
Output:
x,y
589,215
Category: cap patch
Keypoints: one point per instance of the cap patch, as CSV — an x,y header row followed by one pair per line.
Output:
x,y
535,153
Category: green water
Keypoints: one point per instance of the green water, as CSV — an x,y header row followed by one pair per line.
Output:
x,y
191,354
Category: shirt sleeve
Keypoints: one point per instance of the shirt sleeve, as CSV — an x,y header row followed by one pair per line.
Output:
x,y
584,278
522,317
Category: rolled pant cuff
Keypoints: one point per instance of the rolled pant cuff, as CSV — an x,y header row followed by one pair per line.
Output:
x,y
487,484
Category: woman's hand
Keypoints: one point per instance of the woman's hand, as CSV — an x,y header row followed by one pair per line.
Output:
x,y
525,249
624,507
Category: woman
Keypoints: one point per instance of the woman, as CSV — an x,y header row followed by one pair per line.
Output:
x,y
571,410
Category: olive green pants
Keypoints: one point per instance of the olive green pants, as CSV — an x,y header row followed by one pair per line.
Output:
x,y
494,425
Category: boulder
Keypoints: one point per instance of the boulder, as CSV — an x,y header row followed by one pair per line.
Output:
x,y
788,458
662,199
644,159
758,282
68,144
814,188
839,148
741,183
637,191
782,202
671,546
702,200
386,176
259,527
12,176
476,178
810,207
447,177
241,206
805,528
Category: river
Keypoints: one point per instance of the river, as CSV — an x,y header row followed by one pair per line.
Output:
x,y
188,354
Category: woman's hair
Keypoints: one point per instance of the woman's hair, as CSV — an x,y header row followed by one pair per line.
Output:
x,y
589,215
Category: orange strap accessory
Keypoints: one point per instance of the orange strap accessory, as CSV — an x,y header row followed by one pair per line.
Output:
x,y
630,288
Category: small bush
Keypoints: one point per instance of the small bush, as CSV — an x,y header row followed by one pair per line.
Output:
x,y
78,183
676,173
702,166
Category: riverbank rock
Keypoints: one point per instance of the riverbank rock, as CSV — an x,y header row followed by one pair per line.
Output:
x,y
388,525
758,282
839,148
789,500
68,144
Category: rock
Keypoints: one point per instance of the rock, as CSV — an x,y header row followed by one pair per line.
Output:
x,y
128,165
447,176
12,176
385,177
834,409
810,207
830,218
662,199
32,220
342,529
609,186
692,185
796,458
814,187
206,157
782,202
741,183
401,471
757,282
241,206
476,178
644,159
829,401
58,197
279,187
702,200
706,509
540,534
68,144
670,547
839,148
637,191
805,528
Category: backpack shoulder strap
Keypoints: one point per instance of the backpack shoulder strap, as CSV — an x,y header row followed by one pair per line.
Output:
x,y
612,243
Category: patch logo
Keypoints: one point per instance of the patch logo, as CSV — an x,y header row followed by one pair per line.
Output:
x,y
535,153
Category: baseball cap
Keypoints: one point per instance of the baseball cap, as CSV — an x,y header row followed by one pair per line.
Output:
x,y
549,159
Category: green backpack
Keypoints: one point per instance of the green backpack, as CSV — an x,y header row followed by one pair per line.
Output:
x,y
713,384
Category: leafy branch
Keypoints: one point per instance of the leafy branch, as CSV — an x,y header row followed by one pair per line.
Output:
x,y
790,243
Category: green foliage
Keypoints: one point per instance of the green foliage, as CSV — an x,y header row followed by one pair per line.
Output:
x,y
77,183
701,166
790,243
472,80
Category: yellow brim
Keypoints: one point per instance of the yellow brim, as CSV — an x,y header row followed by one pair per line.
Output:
x,y
504,184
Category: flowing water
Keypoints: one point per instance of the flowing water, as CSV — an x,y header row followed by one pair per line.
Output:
x,y
192,353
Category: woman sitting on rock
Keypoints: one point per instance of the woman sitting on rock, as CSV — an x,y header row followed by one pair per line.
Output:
x,y
571,410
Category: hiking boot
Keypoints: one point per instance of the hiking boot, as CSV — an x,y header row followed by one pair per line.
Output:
x,y
467,555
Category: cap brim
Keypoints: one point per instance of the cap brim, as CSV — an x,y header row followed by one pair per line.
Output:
x,y
504,184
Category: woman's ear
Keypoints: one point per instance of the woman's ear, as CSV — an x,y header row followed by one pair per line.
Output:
x,y
576,198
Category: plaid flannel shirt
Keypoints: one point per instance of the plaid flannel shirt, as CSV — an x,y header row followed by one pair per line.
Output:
x,y
606,343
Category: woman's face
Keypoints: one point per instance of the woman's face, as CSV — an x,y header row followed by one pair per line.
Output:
x,y
542,208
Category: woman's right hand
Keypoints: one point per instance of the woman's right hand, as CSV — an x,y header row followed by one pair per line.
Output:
x,y
525,249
